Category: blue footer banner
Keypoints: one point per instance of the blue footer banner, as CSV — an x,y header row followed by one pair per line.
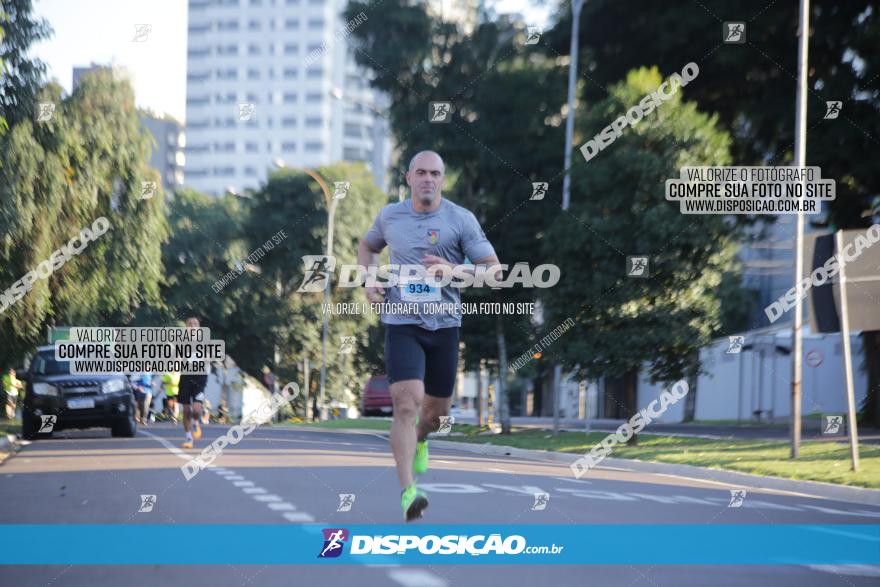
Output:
x,y
276,544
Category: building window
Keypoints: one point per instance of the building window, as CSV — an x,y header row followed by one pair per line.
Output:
x,y
353,130
230,74
199,29
253,73
289,98
316,23
288,147
198,77
314,147
227,49
224,171
200,148
313,97
291,23
313,122
251,148
351,154
291,49
229,98
253,49
288,122
254,25
198,53
314,73
290,73
227,25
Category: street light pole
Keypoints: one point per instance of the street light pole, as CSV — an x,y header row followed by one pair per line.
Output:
x,y
576,6
800,156
331,211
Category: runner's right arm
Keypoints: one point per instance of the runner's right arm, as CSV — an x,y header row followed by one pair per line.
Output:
x,y
368,256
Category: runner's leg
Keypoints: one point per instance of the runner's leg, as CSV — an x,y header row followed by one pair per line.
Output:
x,y
441,368
432,409
407,397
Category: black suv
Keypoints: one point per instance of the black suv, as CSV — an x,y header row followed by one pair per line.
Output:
x,y
54,399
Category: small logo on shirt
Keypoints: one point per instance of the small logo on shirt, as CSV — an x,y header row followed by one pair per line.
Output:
x,y
433,236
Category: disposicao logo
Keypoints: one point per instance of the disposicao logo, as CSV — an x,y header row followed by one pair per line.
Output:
x,y
334,541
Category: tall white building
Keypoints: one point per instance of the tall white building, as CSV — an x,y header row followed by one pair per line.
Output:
x,y
273,82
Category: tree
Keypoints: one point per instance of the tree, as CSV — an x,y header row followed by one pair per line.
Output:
x,y
21,77
295,202
618,210
752,88
57,177
237,262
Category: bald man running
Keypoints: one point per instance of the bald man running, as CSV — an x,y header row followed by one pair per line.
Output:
x,y
421,349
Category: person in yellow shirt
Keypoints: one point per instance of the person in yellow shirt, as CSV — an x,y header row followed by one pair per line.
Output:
x,y
11,387
171,386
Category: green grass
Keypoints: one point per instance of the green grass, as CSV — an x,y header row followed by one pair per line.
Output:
x,y
819,461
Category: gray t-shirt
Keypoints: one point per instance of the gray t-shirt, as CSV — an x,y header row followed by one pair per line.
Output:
x,y
449,232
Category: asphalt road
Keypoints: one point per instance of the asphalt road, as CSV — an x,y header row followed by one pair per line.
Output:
x,y
292,476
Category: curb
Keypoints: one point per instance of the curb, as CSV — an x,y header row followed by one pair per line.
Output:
x,y
813,489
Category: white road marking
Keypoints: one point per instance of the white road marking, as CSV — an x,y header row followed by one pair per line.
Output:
x,y
273,501
499,470
570,480
853,570
416,578
174,450
269,497
298,517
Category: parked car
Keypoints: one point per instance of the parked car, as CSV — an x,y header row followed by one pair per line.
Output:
x,y
376,397
75,401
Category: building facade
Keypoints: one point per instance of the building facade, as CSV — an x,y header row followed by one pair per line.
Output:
x,y
273,83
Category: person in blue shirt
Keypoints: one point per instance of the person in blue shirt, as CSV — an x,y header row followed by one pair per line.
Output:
x,y
143,395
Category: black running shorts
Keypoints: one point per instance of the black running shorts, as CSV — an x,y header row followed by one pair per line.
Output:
x,y
192,389
412,352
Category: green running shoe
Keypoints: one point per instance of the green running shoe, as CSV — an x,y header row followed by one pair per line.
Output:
x,y
420,459
413,501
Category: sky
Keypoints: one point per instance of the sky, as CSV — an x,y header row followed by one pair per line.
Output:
x,y
103,31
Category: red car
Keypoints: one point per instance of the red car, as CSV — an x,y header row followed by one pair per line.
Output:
x,y
376,397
